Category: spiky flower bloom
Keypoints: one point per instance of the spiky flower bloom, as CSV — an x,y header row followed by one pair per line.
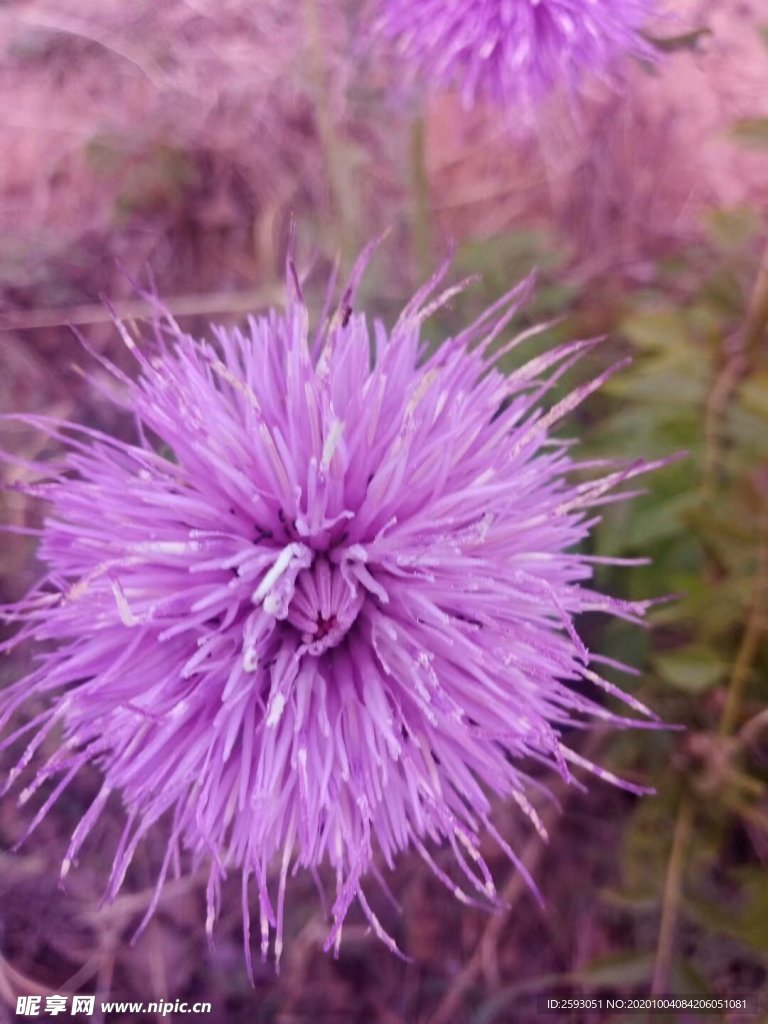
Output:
x,y
321,609
511,52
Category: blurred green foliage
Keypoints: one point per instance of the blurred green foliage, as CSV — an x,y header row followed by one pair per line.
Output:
x,y
153,174
699,384
692,858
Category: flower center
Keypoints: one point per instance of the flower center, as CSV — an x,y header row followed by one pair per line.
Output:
x,y
324,606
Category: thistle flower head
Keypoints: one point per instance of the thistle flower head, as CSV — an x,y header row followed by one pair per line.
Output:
x,y
320,610
511,52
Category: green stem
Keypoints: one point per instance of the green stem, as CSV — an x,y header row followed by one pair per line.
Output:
x,y
342,198
737,367
751,814
422,235
724,388
673,890
750,641
757,314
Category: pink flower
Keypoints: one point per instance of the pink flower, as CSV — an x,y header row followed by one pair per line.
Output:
x,y
511,52
322,608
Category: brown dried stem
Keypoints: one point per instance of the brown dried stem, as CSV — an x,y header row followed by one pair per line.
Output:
x,y
342,199
98,313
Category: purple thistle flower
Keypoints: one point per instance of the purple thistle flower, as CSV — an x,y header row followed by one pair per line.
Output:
x,y
511,52
321,609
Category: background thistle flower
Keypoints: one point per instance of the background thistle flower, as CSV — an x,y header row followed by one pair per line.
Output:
x,y
511,51
322,608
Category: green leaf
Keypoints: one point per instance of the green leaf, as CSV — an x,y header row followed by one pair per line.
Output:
x,y
658,329
674,380
754,394
638,903
661,520
750,924
684,41
733,228
693,670
489,1012
621,971
751,131
618,972
645,846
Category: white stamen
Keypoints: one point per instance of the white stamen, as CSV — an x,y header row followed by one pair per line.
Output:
x,y
123,608
331,441
275,710
282,562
